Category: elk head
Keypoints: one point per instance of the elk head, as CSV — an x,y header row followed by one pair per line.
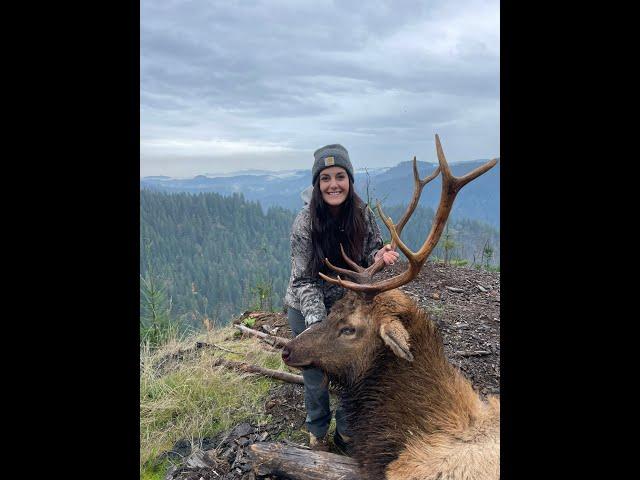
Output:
x,y
374,318
355,332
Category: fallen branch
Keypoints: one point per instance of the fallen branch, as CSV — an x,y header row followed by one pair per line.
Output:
x,y
455,289
179,355
213,345
301,464
270,339
247,367
472,353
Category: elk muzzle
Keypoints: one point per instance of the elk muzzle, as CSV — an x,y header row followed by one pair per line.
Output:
x,y
285,355
290,357
299,352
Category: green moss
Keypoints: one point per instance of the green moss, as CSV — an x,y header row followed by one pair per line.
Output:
x,y
154,471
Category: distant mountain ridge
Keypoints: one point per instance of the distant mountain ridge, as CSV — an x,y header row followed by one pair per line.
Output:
x,y
479,200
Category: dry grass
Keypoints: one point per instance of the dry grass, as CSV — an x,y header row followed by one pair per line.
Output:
x,y
187,398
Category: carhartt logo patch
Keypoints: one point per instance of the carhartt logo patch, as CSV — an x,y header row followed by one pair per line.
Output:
x,y
329,161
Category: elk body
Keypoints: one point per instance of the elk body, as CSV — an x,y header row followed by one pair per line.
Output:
x,y
412,414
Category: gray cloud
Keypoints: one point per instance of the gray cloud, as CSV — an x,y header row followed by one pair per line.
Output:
x,y
232,85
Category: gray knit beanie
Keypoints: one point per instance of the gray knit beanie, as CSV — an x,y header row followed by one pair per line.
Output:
x,y
330,156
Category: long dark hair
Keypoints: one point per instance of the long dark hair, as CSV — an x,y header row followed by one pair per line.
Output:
x,y
328,232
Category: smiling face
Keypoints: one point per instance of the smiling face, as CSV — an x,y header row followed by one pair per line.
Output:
x,y
334,186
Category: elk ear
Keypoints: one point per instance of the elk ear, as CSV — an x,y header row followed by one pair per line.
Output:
x,y
397,338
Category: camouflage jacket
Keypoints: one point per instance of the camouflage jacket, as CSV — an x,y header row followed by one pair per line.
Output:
x,y
314,297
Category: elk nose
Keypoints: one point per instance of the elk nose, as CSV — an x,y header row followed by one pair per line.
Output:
x,y
285,354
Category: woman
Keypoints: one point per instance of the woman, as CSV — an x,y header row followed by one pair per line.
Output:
x,y
334,215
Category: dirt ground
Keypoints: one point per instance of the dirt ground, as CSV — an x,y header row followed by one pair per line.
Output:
x,y
465,304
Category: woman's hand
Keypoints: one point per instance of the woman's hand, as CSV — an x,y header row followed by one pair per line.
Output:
x,y
387,254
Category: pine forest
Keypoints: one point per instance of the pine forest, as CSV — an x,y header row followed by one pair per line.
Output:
x,y
206,257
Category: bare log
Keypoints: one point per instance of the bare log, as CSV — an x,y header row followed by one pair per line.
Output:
x,y
270,339
271,458
247,367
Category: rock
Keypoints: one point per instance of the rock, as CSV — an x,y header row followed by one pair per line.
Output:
x,y
170,472
182,447
210,457
229,454
208,443
241,430
198,460
243,441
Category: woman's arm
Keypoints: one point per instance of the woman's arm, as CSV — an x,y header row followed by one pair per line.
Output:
x,y
305,288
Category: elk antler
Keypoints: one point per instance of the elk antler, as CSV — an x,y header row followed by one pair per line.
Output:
x,y
450,187
361,275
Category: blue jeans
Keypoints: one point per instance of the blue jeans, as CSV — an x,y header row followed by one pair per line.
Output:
x,y
316,395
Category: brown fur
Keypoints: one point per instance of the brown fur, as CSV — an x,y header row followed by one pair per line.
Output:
x,y
410,420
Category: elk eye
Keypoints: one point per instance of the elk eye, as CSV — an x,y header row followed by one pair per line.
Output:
x,y
347,331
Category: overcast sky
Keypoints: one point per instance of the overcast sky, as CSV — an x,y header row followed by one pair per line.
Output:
x,y
235,85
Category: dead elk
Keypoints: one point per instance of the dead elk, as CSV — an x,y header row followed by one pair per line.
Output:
x,y
412,414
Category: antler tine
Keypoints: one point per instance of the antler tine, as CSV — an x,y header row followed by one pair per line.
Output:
x,y
367,289
361,275
337,281
417,191
451,185
395,234
358,274
371,290
350,262
458,182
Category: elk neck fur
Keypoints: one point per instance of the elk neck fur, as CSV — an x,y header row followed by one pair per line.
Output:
x,y
404,412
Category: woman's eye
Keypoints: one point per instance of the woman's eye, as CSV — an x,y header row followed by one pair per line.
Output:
x,y
347,331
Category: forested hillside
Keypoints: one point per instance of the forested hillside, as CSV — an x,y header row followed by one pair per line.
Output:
x,y
393,186
215,255
212,251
